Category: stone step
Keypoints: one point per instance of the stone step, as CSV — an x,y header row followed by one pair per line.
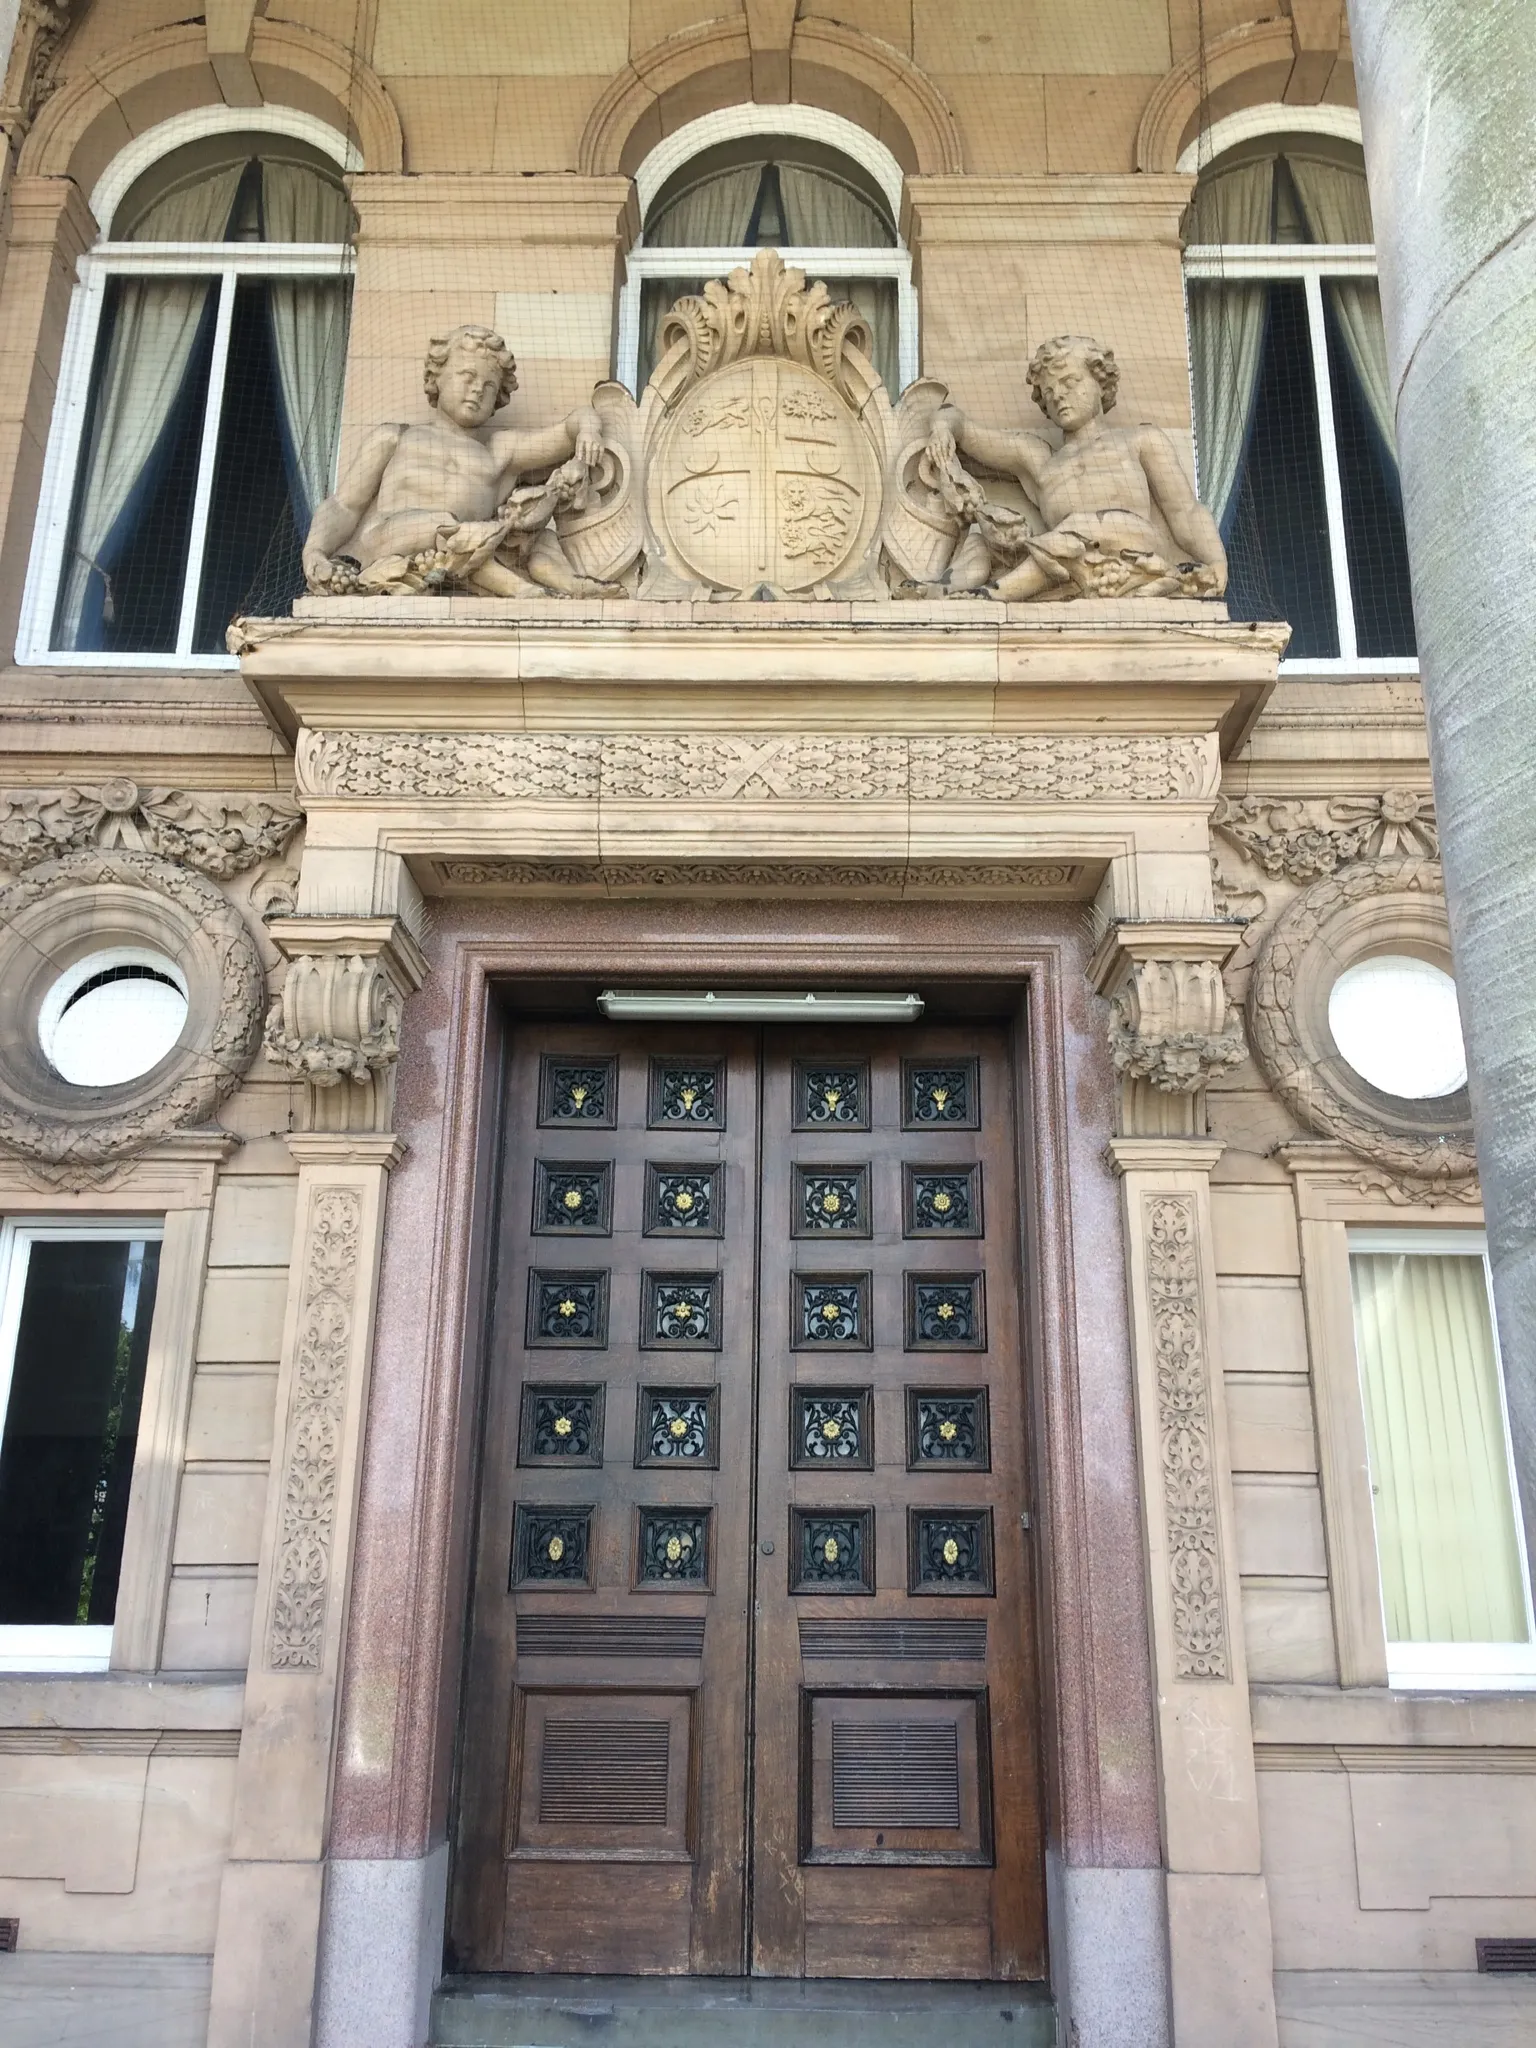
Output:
x,y
746,2012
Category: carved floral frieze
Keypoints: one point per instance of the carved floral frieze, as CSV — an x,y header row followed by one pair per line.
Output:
x,y
757,767
219,835
1302,838
839,877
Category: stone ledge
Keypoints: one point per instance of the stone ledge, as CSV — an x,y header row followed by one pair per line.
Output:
x,y
120,1700
1326,1716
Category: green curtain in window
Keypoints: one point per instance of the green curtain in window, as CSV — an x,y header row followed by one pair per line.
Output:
x,y
309,322
1445,1516
1226,329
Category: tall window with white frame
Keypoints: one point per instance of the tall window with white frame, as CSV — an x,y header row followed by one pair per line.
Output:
x,y
1445,1496
1293,401
199,406
825,213
76,1306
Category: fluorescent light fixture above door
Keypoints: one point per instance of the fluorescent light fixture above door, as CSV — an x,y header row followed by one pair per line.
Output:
x,y
745,1006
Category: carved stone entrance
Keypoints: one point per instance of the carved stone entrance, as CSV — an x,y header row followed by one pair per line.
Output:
x,y
751,1679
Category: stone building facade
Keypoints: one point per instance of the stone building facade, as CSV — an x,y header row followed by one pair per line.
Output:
x,y
385,1629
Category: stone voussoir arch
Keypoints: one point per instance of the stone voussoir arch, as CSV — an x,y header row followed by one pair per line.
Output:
x,y
80,126
831,65
1236,69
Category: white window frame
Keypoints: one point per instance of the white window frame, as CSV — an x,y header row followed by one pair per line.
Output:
x,y
60,1646
1310,264
1462,1667
732,124
228,263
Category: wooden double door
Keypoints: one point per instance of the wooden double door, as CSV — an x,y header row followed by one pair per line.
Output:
x,y
751,1683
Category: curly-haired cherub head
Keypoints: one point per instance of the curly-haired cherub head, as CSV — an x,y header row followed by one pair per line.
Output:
x,y
1058,383
469,374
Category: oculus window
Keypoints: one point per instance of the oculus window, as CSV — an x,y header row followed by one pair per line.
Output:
x,y
1395,1019
1293,400
75,1319
1450,1543
200,406
824,213
112,1017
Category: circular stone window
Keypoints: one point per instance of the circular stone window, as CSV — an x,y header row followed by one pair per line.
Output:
x,y
112,1016
1395,1020
1352,1017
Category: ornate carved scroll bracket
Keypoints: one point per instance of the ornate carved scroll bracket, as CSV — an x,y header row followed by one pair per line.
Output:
x,y
338,1016
1172,1025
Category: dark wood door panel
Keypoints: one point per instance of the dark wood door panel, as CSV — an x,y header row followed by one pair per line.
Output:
x,y
901,1613
606,1714
754,1440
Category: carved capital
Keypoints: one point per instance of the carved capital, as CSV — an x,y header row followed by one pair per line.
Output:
x,y
337,1018
40,29
1172,1025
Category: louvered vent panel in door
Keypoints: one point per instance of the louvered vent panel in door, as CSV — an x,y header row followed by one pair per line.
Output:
x,y
604,1774
895,1774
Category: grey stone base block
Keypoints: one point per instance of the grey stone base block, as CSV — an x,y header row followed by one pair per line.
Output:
x,y
50,1998
703,2012
1404,2009
381,1950
1112,1925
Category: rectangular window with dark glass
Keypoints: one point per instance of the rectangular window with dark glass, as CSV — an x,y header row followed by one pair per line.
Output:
x,y
75,1323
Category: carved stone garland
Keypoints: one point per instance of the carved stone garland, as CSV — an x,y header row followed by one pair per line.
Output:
x,y
312,1451
220,835
201,1078
1301,838
1184,1431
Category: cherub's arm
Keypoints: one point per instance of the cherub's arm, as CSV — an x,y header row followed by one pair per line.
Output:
x,y
338,517
580,434
1015,451
1188,520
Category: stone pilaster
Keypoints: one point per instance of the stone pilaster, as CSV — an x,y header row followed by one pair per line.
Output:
x,y
269,1908
1219,1937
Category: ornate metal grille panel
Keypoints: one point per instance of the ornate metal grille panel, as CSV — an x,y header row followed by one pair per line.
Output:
x,y
688,1199
831,1097
568,1309
940,1097
572,1198
827,1199
830,1427
945,1315
948,1429
687,1095
832,1552
680,1311
551,1546
830,1311
941,1202
561,1426
677,1427
949,1552
674,1548
579,1092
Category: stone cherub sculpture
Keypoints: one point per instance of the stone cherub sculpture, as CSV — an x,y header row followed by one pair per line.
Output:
x,y
439,505
1095,492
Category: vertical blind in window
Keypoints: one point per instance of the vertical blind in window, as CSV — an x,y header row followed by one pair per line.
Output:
x,y
213,420
1446,1535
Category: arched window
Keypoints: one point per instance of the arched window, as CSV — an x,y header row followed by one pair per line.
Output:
x,y
828,211
199,402
1292,396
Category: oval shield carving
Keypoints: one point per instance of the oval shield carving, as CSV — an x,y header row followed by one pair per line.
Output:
x,y
765,476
